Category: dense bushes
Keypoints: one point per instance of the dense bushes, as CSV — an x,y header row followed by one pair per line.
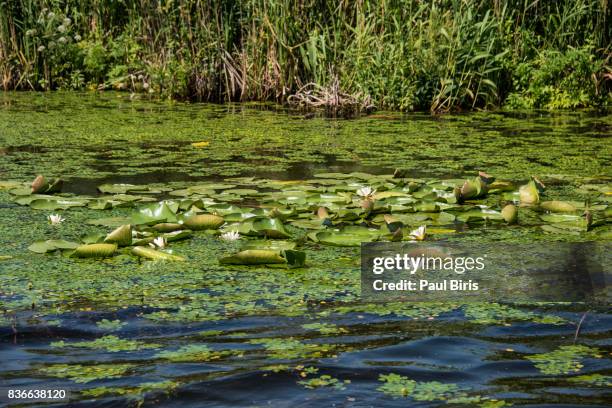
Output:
x,y
441,55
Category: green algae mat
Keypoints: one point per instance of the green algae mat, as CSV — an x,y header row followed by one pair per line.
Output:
x,y
166,254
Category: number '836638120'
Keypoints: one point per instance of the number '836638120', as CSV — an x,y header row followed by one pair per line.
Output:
x,y
36,394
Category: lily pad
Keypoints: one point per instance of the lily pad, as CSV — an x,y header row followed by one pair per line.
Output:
x,y
95,251
203,222
348,236
557,206
266,257
41,247
122,236
150,253
155,213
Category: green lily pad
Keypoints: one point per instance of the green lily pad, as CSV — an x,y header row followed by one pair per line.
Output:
x,y
56,204
270,227
110,221
150,253
41,247
266,257
163,211
122,236
348,236
557,206
95,251
203,222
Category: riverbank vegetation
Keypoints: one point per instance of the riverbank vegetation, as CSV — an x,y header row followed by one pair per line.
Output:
x,y
407,55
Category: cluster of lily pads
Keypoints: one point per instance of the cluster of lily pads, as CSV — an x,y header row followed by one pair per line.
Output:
x,y
333,209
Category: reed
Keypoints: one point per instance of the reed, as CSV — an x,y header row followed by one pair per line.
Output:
x,y
441,55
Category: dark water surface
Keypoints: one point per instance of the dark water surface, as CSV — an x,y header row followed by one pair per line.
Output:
x,y
123,332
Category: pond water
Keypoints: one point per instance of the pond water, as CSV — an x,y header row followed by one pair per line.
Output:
x,y
127,331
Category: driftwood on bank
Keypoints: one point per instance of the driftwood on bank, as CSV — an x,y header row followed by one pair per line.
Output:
x,y
331,98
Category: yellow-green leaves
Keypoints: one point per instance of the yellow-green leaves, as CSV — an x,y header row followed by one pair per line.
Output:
x,y
203,222
150,253
122,236
95,251
529,194
510,213
289,257
557,206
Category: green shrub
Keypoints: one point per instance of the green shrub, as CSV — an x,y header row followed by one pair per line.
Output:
x,y
557,80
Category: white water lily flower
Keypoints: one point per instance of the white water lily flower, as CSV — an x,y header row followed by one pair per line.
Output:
x,y
366,192
419,233
55,219
230,236
159,242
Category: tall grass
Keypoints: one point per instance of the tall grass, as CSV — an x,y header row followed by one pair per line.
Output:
x,y
412,54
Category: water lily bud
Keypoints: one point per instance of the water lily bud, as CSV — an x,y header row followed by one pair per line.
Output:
x,y
529,194
367,204
510,213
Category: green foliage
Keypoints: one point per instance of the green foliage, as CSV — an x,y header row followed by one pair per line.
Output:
x,y
137,392
400,386
564,360
559,80
598,380
495,313
110,325
324,381
324,328
409,55
109,343
84,374
192,353
288,348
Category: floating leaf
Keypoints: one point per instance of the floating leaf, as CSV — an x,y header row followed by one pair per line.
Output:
x,y
41,247
203,221
348,236
273,244
479,215
56,204
110,221
177,235
266,257
93,238
167,227
121,236
151,253
270,227
155,213
557,206
95,251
